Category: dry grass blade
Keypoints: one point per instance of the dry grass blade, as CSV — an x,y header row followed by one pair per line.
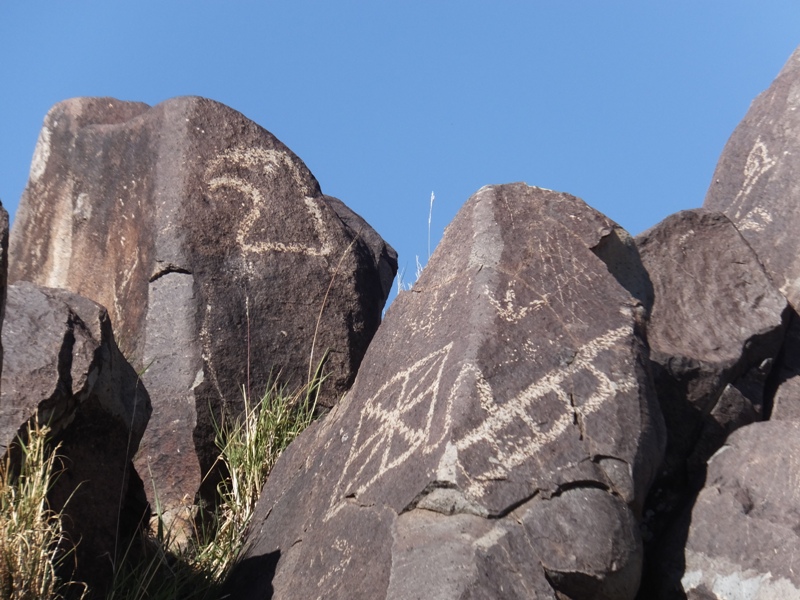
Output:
x,y
31,537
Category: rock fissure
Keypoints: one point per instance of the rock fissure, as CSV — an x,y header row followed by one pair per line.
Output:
x,y
163,270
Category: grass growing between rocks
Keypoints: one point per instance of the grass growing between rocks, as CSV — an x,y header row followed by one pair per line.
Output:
x,y
32,542
249,447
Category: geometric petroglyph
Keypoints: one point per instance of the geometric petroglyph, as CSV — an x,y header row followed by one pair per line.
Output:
x,y
268,162
755,220
509,453
384,440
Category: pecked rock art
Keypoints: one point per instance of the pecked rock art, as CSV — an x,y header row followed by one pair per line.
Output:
x,y
219,259
757,183
500,437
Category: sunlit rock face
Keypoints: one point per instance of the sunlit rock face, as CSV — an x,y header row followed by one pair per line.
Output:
x,y
501,434
219,259
757,180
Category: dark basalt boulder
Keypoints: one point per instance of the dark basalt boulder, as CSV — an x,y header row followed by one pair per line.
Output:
x,y
716,327
786,378
63,369
500,437
221,263
743,533
757,180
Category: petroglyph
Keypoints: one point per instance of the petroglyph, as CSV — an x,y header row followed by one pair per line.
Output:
x,y
756,220
508,310
758,163
382,427
438,306
236,160
383,440
509,454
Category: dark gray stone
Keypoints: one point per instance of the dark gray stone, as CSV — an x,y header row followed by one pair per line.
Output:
x,y
501,434
757,179
717,321
744,523
63,368
220,261
786,399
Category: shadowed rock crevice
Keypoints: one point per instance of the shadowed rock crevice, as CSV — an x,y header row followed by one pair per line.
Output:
x,y
617,249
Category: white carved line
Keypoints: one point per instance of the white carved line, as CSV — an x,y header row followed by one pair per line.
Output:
x,y
269,161
387,427
758,163
386,424
507,310
518,409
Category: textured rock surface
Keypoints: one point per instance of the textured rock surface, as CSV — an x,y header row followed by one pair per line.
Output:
x,y
744,525
216,254
63,366
501,433
716,319
757,180
786,399
3,271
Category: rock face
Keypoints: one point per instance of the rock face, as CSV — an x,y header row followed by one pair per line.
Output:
x,y
3,271
501,434
63,367
744,524
715,330
757,180
716,326
219,259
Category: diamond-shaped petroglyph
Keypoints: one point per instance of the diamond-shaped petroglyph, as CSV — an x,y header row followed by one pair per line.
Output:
x,y
384,437
230,164
758,163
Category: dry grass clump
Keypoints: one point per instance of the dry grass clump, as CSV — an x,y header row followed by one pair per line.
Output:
x,y
249,447
32,542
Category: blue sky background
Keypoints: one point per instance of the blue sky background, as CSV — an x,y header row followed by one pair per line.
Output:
x,y
624,104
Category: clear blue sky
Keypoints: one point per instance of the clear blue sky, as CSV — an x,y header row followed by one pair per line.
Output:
x,y
625,104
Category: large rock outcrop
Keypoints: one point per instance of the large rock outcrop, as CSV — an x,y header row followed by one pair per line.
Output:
x,y
715,330
717,323
501,434
757,180
744,532
63,369
219,259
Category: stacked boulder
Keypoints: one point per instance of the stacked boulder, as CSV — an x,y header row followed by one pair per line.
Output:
x,y
219,259
501,435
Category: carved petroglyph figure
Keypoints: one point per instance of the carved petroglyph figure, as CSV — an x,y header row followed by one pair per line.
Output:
x,y
230,164
383,440
508,310
758,163
382,427
521,409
